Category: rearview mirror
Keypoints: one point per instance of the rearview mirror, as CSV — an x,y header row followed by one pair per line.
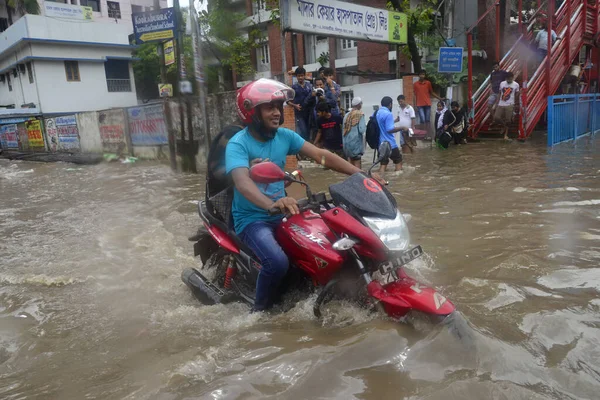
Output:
x,y
385,151
266,172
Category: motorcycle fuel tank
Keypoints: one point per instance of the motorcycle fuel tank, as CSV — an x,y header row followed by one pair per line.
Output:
x,y
308,242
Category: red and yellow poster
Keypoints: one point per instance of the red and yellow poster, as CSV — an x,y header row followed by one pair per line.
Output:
x,y
34,133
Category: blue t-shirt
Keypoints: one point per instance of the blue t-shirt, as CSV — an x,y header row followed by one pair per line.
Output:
x,y
385,120
242,149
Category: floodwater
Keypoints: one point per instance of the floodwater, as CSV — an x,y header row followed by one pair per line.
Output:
x,y
92,305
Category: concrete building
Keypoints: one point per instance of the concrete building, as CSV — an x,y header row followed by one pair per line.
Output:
x,y
50,66
355,62
66,60
112,12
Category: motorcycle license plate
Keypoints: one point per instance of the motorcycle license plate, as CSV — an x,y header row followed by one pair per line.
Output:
x,y
402,259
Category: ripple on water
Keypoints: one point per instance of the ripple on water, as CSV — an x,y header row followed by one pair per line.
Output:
x,y
572,278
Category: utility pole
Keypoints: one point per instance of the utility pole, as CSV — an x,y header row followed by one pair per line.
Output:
x,y
183,86
199,75
166,103
283,58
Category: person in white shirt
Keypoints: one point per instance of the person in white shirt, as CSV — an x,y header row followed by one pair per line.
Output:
x,y
405,119
541,40
507,101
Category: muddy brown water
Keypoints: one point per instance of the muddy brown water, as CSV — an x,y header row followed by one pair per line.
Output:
x,y
92,305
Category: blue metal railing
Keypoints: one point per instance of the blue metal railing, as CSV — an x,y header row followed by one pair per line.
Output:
x,y
571,116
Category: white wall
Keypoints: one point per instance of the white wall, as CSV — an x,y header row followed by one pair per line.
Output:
x,y
91,93
89,133
372,93
68,51
50,28
125,7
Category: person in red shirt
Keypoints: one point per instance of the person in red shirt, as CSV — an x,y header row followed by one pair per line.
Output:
x,y
423,92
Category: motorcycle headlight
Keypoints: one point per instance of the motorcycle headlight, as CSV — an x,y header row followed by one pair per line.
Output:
x,y
393,233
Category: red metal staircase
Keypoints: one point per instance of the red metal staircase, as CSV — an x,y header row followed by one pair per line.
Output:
x,y
576,22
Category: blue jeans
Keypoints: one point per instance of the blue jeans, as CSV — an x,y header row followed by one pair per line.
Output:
x,y
424,114
260,237
302,127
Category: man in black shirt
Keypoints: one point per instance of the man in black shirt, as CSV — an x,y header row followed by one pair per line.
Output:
x,y
329,135
496,77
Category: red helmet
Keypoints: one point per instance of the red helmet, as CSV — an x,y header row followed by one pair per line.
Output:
x,y
260,92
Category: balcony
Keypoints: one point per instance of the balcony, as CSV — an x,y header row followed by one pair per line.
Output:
x,y
118,85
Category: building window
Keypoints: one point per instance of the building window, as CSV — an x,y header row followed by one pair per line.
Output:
x,y
117,75
114,9
263,54
348,44
94,4
9,83
30,72
72,71
348,96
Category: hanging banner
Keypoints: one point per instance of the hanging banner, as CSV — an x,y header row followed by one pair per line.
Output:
x,y
147,125
344,20
67,11
8,136
169,52
34,133
156,25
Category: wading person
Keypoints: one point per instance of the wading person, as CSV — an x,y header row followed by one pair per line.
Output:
x,y
423,92
405,119
354,131
329,135
507,102
387,129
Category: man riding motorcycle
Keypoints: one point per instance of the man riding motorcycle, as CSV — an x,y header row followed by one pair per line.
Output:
x,y
260,107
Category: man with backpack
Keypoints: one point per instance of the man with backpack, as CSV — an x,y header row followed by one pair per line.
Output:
x,y
381,126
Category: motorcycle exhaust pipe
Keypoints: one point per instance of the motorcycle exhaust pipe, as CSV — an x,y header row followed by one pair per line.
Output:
x,y
202,288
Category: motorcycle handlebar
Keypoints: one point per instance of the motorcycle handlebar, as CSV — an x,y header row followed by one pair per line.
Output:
x,y
304,207
274,211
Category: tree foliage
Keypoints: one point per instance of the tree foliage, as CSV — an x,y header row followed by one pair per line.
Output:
x,y
221,29
147,69
22,7
420,22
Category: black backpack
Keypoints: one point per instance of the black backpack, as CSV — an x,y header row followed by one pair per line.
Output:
x,y
373,132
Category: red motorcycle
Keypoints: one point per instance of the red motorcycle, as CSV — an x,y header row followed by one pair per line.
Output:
x,y
335,245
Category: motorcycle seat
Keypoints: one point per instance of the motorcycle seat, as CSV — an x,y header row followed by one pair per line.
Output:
x,y
214,220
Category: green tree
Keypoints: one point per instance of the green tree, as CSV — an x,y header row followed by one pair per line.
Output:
x,y
22,7
146,70
221,30
420,21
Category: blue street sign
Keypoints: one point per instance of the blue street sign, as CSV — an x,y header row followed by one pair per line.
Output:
x,y
156,25
450,60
